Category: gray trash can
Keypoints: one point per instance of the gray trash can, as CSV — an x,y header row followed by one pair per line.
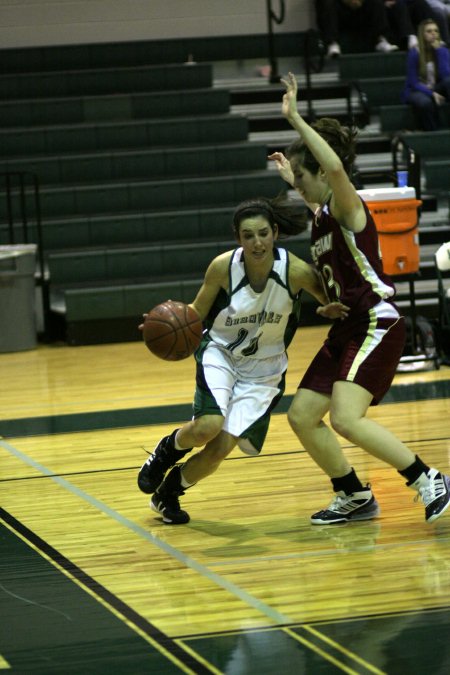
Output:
x,y
17,297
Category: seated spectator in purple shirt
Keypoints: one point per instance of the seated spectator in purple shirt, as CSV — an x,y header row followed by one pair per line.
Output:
x,y
427,76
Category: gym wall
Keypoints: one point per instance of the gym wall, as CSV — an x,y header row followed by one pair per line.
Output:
x,y
27,23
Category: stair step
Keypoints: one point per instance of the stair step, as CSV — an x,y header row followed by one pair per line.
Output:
x,y
274,94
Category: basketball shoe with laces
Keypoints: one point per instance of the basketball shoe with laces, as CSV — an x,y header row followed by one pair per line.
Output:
x,y
434,491
360,505
163,457
165,500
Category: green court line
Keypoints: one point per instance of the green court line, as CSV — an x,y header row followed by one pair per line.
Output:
x,y
146,416
186,560
94,421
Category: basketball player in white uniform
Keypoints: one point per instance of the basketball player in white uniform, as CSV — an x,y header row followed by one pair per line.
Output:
x,y
249,302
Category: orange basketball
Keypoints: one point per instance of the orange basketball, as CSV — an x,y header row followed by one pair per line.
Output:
x,y
172,330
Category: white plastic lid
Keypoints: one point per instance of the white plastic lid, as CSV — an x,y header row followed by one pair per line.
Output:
x,y
443,257
387,194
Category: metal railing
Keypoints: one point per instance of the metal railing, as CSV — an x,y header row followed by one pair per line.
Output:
x,y
314,60
273,18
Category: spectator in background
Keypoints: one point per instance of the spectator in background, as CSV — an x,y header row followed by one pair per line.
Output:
x,y
440,12
360,20
401,25
419,10
404,17
427,76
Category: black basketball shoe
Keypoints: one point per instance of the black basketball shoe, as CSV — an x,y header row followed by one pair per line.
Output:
x,y
165,500
344,508
434,491
163,457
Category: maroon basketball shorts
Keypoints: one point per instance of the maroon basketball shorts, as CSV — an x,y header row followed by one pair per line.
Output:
x,y
365,349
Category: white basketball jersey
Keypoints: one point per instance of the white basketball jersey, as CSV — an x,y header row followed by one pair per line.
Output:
x,y
251,324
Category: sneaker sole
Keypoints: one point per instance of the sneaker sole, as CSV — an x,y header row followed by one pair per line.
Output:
x,y
165,519
435,516
347,519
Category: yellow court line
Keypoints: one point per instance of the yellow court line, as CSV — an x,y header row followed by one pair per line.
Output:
x,y
197,656
4,665
344,650
148,638
321,653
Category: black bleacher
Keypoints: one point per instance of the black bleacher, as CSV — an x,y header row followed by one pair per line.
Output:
x,y
133,162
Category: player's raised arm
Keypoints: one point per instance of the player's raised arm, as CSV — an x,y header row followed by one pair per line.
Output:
x,y
345,202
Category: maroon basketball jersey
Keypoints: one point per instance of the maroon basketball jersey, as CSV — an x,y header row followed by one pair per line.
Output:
x,y
349,262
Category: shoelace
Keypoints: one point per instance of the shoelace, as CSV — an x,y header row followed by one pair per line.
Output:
x,y
344,504
434,490
159,457
340,503
337,502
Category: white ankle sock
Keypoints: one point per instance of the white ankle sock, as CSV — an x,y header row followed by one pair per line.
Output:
x,y
175,442
184,482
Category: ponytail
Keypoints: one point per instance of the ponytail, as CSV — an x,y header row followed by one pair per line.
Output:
x,y
290,216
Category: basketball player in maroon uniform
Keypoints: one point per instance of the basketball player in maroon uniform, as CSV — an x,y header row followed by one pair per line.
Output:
x,y
356,364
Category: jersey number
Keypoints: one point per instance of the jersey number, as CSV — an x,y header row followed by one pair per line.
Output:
x,y
241,337
330,282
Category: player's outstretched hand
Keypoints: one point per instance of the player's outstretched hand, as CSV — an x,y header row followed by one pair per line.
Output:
x,y
283,165
334,310
289,105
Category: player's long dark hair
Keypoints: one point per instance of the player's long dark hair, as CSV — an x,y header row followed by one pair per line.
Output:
x,y
341,139
291,216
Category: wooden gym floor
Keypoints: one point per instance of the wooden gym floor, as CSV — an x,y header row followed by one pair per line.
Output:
x,y
93,582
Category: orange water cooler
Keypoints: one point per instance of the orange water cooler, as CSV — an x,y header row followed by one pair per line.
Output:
x,y
394,211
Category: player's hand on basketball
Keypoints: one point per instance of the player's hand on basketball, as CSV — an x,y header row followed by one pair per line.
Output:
x,y
144,316
284,167
334,310
141,325
289,105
